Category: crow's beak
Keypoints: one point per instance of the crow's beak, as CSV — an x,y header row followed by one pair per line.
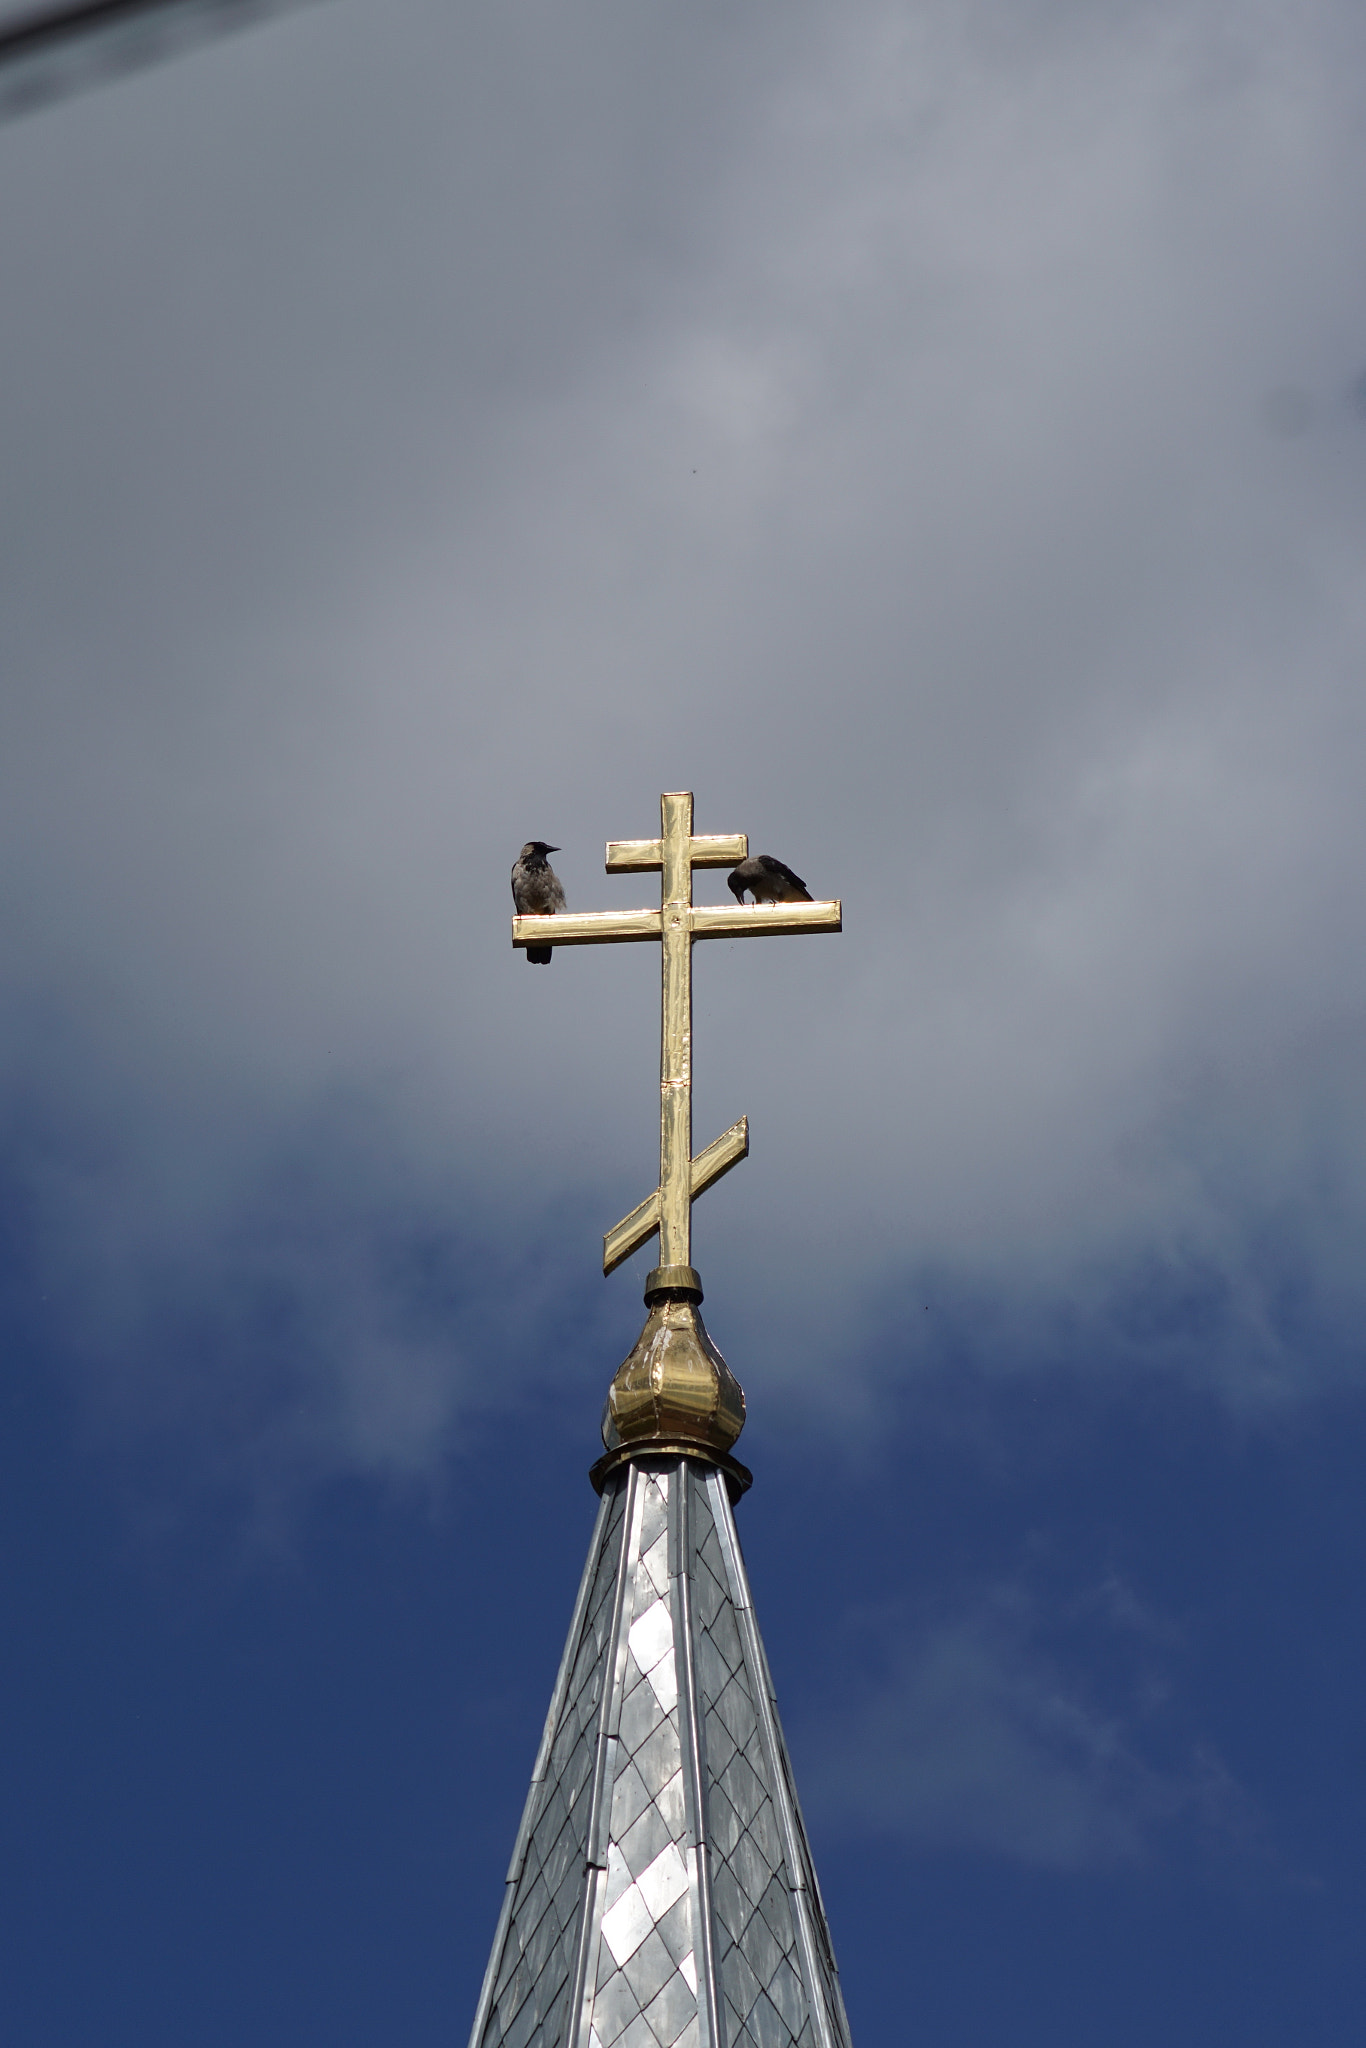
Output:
x,y
554,849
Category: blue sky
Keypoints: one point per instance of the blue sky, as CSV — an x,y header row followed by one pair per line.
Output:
x,y
957,409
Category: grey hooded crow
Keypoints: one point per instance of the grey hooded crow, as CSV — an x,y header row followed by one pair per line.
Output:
x,y
536,891
769,880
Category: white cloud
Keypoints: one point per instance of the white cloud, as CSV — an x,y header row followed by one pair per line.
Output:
x,y
978,1738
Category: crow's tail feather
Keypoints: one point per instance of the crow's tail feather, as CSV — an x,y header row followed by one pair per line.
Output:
x,y
539,956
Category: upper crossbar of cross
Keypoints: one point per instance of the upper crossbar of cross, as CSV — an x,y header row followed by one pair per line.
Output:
x,y
677,922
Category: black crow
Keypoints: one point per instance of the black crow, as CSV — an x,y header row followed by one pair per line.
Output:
x,y
770,881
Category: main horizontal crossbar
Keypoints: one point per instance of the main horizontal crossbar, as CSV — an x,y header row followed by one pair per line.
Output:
x,y
765,920
707,1168
587,928
706,920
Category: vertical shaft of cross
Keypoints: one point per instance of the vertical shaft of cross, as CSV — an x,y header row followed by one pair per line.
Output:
x,y
675,1040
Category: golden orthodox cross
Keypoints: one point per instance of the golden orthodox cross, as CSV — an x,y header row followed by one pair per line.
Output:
x,y
676,923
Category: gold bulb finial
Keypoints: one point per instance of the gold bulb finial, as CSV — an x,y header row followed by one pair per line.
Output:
x,y
674,1393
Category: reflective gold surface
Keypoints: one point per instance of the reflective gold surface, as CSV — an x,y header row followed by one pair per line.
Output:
x,y
661,1278
675,1389
761,920
677,922
674,1384
703,920
675,1032
715,1159
709,850
586,928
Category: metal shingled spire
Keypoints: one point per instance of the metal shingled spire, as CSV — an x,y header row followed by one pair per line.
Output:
x,y
661,1892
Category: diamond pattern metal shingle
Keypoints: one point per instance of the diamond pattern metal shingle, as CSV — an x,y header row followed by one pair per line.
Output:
x,y
661,1892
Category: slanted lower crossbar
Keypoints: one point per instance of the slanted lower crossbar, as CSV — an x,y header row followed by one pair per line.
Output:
x,y
707,1168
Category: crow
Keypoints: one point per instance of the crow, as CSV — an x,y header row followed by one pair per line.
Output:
x,y
536,891
769,880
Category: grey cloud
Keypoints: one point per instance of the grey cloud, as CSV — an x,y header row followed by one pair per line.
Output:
x,y
403,416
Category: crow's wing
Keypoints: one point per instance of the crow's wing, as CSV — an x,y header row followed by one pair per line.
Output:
x,y
780,867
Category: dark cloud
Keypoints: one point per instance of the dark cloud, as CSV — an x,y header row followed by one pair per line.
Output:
x,y
425,428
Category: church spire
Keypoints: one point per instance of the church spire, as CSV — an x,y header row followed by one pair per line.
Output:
x,y
661,1892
